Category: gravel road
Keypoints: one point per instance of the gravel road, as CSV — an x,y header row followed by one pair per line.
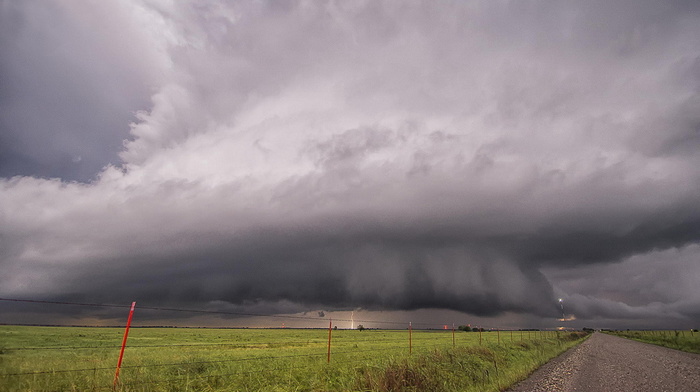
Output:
x,y
607,363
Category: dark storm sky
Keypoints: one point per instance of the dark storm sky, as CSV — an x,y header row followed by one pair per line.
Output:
x,y
487,157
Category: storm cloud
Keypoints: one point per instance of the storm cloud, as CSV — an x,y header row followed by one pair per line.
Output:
x,y
483,157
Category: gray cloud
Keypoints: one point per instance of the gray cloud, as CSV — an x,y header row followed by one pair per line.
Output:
x,y
654,285
72,79
389,155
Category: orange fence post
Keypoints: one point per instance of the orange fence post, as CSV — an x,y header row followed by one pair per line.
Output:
x,y
410,338
121,353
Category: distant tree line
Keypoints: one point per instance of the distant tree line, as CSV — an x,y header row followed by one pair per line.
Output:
x,y
467,328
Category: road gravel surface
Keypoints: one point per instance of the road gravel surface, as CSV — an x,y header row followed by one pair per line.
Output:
x,y
605,363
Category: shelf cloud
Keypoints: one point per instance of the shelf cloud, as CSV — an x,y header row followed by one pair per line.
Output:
x,y
487,157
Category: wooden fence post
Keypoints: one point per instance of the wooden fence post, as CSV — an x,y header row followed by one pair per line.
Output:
x,y
330,328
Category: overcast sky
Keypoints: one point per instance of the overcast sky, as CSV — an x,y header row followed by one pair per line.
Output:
x,y
473,158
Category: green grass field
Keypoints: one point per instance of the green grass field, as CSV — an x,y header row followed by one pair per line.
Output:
x,y
174,359
680,340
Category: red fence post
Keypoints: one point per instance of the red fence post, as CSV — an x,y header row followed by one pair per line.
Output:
x,y
121,353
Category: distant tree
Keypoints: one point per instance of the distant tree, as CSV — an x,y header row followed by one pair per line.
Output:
x,y
465,328
360,327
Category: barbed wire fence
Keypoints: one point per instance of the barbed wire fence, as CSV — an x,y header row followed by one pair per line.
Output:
x,y
421,335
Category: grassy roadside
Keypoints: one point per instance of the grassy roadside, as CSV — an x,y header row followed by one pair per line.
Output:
x,y
159,359
678,340
491,367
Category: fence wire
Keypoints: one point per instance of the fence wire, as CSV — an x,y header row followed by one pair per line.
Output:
x,y
414,337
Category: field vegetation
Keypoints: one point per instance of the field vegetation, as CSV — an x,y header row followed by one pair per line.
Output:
x,y
179,359
683,340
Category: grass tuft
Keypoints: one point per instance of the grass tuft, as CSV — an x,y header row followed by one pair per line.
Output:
x,y
476,368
